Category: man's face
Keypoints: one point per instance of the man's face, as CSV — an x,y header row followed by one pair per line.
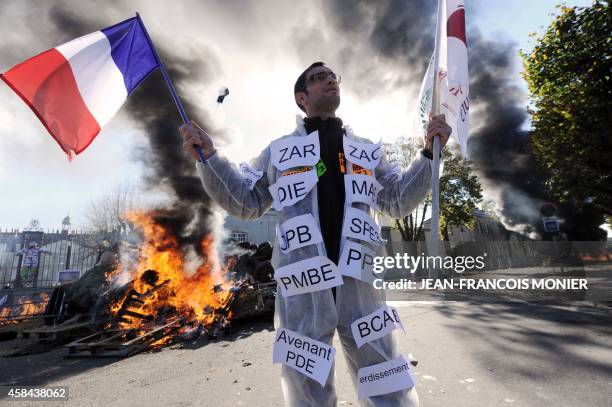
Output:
x,y
322,91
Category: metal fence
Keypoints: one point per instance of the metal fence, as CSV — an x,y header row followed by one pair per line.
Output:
x,y
23,303
58,252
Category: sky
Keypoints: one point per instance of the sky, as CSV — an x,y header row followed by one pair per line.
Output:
x,y
256,49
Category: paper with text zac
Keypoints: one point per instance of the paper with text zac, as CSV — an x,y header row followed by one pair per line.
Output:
x,y
296,151
366,155
384,378
306,355
376,325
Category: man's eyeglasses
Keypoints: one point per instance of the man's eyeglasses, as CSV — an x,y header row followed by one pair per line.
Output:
x,y
323,76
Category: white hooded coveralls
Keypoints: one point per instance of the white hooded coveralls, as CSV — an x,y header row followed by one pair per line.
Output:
x,y
316,314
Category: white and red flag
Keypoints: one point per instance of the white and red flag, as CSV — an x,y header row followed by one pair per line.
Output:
x,y
77,87
452,75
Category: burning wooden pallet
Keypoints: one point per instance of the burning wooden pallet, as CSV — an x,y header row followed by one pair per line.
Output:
x,y
119,342
15,330
55,333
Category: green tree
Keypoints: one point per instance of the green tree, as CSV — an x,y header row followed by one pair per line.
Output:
x,y
488,207
460,193
411,226
402,152
568,75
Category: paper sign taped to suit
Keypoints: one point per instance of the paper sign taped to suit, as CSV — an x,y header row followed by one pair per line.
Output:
x,y
295,151
292,188
373,326
386,377
310,357
366,155
357,261
306,276
361,188
297,232
251,175
359,225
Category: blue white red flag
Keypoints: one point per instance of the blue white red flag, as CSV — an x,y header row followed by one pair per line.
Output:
x,y
77,87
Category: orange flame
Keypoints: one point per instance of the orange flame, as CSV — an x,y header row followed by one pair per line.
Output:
x,y
198,297
26,306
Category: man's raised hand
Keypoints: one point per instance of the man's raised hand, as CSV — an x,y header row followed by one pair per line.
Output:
x,y
193,135
437,126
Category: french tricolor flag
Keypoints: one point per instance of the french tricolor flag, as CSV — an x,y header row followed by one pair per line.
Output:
x,y
77,87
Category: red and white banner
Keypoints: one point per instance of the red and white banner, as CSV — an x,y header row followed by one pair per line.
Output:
x,y
453,76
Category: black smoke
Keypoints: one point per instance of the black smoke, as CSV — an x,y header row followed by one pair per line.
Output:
x,y
393,35
376,45
152,106
500,148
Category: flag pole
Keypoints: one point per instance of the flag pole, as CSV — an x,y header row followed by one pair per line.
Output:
x,y
175,97
435,110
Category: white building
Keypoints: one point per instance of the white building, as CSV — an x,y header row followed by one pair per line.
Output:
x,y
253,231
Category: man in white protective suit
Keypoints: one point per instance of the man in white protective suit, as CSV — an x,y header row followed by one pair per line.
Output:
x,y
326,184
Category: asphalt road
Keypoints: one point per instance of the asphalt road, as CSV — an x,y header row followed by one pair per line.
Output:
x,y
469,355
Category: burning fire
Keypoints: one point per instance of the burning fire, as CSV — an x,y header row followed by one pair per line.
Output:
x,y
161,288
25,306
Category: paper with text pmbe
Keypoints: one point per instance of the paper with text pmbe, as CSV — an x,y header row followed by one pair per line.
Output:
x,y
296,151
376,325
386,377
306,276
306,355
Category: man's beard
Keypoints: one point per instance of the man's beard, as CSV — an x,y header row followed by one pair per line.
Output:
x,y
328,103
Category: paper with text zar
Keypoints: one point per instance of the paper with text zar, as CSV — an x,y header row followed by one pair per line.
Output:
x,y
296,151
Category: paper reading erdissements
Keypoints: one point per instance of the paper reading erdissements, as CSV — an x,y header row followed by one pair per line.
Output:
x,y
365,155
251,175
359,225
298,232
306,276
376,325
290,189
306,355
357,261
296,151
361,188
385,377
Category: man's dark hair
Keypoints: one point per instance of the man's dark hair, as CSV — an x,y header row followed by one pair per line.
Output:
x,y
300,83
